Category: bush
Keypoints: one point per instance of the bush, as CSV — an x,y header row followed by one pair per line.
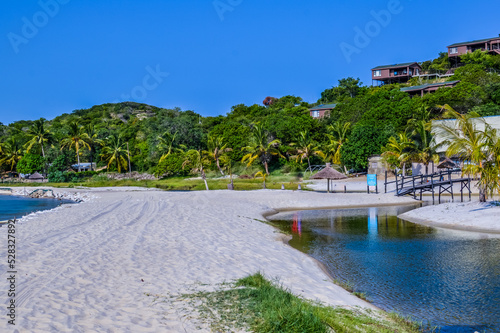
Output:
x,y
364,141
61,163
69,176
172,166
489,109
30,163
58,177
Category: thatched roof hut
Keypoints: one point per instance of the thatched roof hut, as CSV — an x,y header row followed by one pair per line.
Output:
x,y
36,178
447,164
329,173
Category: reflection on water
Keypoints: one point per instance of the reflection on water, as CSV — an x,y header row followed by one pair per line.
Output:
x,y
442,277
297,224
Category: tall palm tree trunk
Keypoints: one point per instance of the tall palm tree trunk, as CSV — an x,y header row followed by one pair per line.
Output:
x,y
204,177
78,158
91,159
267,170
218,166
482,194
43,151
309,163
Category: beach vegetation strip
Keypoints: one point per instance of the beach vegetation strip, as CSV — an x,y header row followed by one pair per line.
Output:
x,y
183,184
256,304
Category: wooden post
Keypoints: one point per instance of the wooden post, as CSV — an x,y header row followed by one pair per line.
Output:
x,y
414,190
328,185
397,185
461,192
432,184
470,192
451,187
439,193
385,183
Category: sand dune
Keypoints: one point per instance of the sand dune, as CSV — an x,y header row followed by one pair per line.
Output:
x,y
88,267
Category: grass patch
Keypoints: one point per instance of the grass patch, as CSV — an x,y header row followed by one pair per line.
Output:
x,y
257,304
179,184
350,288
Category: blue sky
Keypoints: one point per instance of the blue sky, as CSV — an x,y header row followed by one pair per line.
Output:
x,y
206,55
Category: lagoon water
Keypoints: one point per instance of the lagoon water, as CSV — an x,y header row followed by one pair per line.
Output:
x,y
444,278
12,206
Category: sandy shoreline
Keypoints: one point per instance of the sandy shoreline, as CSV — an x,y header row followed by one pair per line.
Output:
x,y
81,267
469,216
90,266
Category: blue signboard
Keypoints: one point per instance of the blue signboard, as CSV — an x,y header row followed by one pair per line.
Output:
x,y
372,180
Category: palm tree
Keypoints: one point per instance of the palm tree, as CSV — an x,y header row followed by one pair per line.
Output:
x,y
423,147
332,150
77,138
11,153
114,152
394,153
196,159
92,141
261,147
166,145
261,174
469,143
493,160
306,148
216,150
39,135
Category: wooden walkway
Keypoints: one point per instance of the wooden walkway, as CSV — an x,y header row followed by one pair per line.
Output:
x,y
436,183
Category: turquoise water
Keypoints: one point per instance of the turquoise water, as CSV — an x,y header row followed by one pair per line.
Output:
x,y
12,206
444,278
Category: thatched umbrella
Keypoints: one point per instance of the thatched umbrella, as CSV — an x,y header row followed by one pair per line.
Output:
x,y
447,164
36,177
329,173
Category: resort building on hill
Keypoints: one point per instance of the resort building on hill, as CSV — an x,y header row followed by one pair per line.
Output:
x,y
322,110
428,88
397,73
491,45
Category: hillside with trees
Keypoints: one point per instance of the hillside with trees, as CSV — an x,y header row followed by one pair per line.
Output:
x,y
278,135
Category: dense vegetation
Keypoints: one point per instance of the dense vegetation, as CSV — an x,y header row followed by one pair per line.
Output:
x,y
277,135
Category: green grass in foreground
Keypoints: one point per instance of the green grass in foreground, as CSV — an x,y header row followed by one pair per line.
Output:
x,y
177,184
256,304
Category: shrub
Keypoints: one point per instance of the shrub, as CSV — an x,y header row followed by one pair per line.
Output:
x,y
172,166
58,177
364,141
61,163
31,163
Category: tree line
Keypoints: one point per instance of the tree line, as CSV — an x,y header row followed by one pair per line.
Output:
x,y
278,134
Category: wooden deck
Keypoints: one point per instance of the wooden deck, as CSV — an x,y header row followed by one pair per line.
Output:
x,y
436,183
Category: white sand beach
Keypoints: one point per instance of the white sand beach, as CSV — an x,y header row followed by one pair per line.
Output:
x,y
472,216
88,267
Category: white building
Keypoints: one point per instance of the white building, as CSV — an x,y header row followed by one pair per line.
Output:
x,y
493,121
